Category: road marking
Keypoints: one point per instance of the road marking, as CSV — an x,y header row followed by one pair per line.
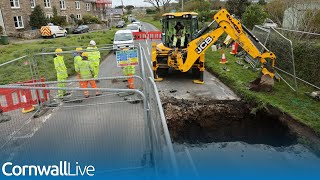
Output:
x,y
146,41
34,130
148,51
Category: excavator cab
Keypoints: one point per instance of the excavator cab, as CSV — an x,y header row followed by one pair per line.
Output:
x,y
179,29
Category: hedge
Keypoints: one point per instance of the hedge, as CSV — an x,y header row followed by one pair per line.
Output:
x,y
307,61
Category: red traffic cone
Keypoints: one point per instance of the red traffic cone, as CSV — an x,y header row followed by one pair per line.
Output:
x,y
223,58
234,48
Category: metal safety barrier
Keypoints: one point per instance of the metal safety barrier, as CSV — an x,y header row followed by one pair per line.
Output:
x,y
126,122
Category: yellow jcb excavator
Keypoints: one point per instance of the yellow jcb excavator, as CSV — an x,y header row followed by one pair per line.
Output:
x,y
183,46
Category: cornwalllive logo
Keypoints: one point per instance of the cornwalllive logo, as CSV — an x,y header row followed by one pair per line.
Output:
x,y
64,168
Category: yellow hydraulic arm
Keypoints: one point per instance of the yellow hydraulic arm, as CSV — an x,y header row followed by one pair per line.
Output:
x,y
231,26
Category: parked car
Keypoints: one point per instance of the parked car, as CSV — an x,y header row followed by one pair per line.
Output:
x,y
269,23
81,29
133,27
120,24
139,24
123,39
52,31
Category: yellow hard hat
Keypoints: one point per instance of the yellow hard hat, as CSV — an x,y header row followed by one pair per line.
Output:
x,y
58,50
78,49
85,54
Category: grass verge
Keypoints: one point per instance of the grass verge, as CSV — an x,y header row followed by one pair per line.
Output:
x,y
297,105
149,19
20,70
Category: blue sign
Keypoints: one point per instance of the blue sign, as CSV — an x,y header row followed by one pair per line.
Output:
x,y
127,57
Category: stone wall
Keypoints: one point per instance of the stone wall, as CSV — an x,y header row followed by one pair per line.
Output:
x,y
97,26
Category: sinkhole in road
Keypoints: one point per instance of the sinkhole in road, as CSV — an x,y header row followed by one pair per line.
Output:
x,y
224,121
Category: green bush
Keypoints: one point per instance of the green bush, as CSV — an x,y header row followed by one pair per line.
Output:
x,y
253,15
59,20
89,19
206,15
37,17
151,11
307,61
306,56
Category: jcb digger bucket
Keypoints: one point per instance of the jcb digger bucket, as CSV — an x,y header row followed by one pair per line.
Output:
x,y
263,83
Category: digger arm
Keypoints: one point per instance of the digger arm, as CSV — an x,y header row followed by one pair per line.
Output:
x,y
231,26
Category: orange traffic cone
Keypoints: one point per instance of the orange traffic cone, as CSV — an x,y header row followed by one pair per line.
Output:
x,y
223,58
234,48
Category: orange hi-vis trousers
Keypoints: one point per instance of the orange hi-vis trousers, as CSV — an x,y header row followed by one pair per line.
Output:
x,y
130,82
84,84
79,77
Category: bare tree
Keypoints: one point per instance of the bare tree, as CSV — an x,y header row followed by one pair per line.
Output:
x,y
275,9
159,3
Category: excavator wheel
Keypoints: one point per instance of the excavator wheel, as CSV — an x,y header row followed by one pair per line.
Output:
x,y
263,83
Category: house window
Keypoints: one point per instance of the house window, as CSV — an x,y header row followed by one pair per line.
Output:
x,y
78,16
88,6
49,16
62,4
47,3
18,22
77,4
33,3
15,3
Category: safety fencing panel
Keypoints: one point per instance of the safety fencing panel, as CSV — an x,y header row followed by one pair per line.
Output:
x,y
161,143
109,130
16,70
15,103
126,122
305,55
282,48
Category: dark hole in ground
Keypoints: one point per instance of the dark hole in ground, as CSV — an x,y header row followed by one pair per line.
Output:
x,y
224,121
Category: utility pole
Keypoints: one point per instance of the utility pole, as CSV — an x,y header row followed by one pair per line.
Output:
x,y
122,7
182,5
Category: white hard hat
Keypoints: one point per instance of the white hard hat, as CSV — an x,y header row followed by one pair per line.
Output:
x,y
92,42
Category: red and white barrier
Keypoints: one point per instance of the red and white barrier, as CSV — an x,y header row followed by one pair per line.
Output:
x,y
152,35
155,35
140,35
13,99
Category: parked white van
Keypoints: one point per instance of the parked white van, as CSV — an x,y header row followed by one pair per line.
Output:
x,y
52,31
123,39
